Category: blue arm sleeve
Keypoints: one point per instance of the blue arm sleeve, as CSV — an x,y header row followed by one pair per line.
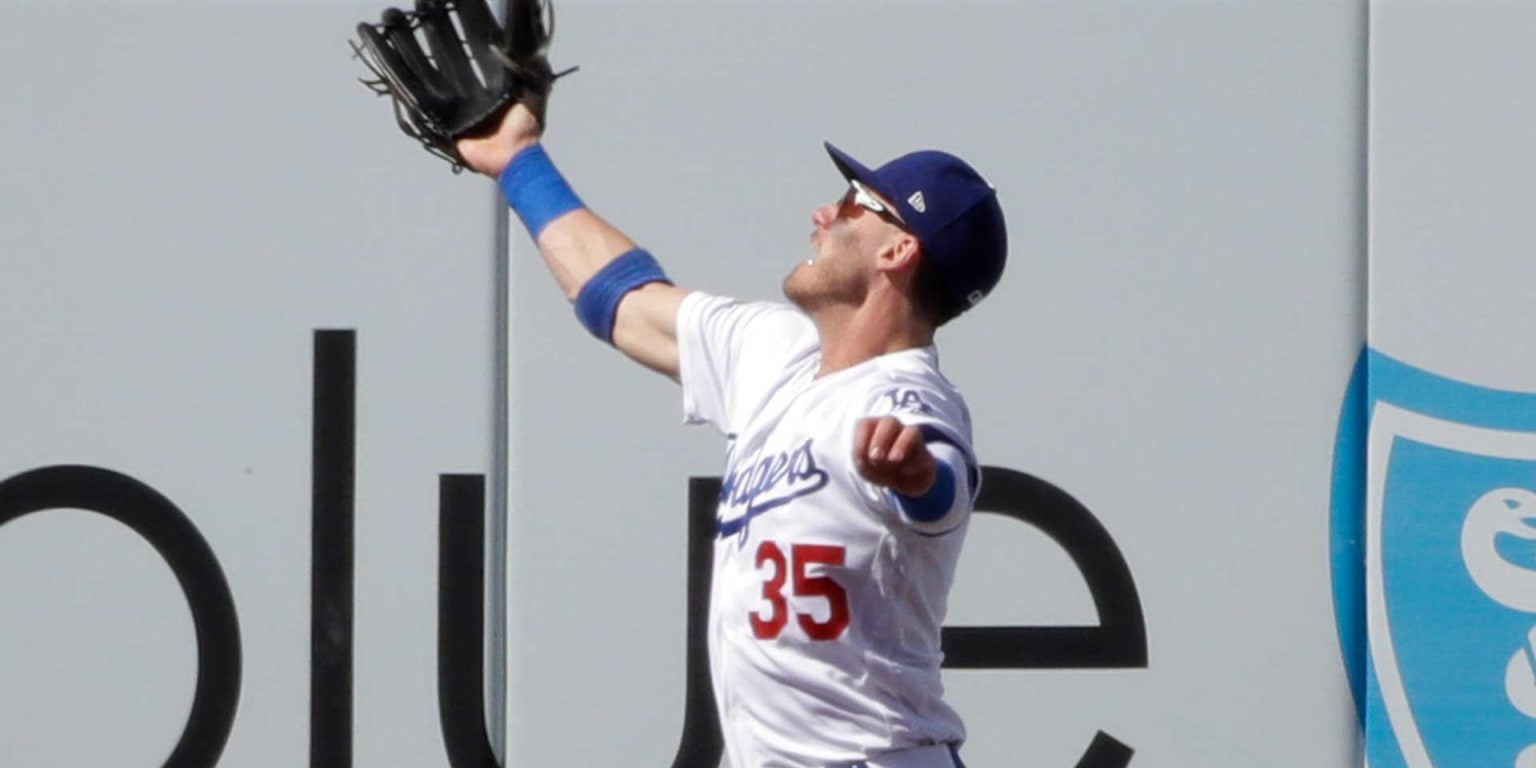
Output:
x,y
535,190
934,504
597,304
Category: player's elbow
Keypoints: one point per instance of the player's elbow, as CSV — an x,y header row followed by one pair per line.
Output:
x,y
645,327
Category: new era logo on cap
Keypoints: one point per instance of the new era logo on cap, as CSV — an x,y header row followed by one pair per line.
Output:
x,y
917,202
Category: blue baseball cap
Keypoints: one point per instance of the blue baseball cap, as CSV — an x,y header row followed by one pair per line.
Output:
x,y
951,210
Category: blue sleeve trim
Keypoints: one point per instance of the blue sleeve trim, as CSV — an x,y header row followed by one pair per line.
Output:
x,y
597,304
535,190
934,504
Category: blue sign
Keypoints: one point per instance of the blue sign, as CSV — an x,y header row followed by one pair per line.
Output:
x,y
1434,525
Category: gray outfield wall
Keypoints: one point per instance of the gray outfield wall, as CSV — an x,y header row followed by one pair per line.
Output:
x,y
193,190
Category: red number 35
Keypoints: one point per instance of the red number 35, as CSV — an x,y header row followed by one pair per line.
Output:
x,y
801,555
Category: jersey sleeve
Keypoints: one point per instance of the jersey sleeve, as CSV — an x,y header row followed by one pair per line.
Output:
x,y
732,353
945,423
960,503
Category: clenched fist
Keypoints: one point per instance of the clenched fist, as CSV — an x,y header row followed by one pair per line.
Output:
x,y
893,455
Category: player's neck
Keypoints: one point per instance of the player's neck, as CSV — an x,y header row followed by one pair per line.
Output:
x,y
852,335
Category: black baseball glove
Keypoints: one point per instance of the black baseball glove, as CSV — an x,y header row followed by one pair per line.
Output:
x,y
457,85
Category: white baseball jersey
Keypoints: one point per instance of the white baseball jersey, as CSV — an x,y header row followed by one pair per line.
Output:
x,y
827,602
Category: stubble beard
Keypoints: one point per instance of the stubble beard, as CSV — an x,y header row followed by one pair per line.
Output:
x,y
812,292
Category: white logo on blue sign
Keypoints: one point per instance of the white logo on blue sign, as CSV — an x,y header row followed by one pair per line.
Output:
x,y
1434,524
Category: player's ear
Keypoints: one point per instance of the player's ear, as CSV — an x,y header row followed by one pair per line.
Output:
x,y
901,254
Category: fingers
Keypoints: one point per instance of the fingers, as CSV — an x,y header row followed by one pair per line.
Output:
x,y
890,454
863,429
891,441
907,444
385,61
526,34
447,50
874,438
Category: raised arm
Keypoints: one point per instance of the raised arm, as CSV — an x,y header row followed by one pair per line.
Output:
x,y
626,304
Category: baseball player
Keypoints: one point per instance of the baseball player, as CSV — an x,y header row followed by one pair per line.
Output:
x,y
850,474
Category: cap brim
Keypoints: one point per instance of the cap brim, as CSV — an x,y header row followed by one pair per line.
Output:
x,y
851,168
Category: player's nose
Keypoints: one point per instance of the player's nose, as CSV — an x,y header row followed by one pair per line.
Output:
x,y
824,215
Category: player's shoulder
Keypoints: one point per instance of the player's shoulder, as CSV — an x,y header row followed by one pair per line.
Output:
x,y
916,369
752,345
910,384
737,317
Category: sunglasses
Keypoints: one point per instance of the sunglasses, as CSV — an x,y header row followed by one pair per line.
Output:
x,y
860,196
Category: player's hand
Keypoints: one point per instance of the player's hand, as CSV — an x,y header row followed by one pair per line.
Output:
x,y
489,153
893,455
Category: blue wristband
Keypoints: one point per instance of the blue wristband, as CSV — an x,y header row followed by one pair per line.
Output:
x,y
535,190
597,303
934,504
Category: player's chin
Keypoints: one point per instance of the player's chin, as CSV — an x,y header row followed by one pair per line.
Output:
x,y
795,286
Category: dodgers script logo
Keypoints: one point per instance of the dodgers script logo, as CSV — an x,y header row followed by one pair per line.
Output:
x,y
1435,494
771,480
